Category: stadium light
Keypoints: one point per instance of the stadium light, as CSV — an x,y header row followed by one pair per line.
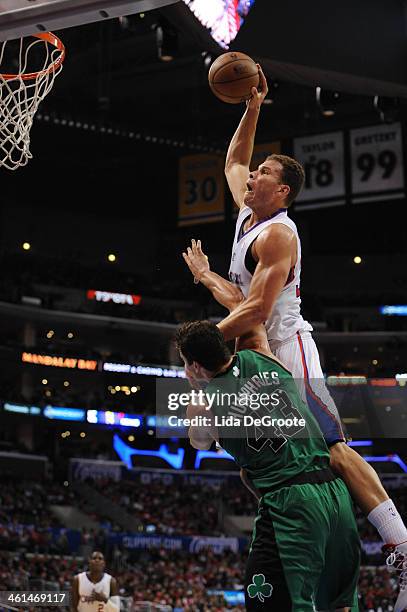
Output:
x,y
388,109
361,443
327,101
126,452
398,310
167,41
386,458
64,414
200,455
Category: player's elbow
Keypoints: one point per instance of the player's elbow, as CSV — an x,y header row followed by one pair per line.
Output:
x,y
228,171
233,166
198,440
339,457
229,162
200,445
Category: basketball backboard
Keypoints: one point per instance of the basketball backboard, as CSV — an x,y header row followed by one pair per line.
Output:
x,y
25,17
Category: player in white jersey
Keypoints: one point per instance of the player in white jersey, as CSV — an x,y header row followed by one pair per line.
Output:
x,y
95,590
288,333
265,265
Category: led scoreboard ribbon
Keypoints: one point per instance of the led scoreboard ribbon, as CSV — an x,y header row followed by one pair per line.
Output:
x,y
117,298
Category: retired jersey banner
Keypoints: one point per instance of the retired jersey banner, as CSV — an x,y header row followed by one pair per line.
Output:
x,y
323,159
261,151
201,189
377,163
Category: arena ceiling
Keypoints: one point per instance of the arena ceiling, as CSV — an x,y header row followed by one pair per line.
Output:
x,y
113,75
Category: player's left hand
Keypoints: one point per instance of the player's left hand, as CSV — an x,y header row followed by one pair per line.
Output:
x,y
196,260
98,596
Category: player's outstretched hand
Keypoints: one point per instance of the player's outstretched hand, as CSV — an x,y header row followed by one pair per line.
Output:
x,y
196,260
258,94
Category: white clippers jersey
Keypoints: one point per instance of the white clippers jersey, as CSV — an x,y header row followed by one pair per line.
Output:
x,y
86,588
286,318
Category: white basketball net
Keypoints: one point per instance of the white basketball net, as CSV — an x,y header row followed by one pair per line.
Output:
x,y
22,91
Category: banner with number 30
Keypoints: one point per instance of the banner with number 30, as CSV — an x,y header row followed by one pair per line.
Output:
x,y
201,189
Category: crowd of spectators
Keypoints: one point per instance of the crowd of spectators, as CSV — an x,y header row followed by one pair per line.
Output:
x,y
178,579
377,589
238,500
184,509
14,537
166,509
27,522
181,579
27,503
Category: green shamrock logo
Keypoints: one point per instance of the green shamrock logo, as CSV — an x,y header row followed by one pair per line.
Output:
x,y
259,587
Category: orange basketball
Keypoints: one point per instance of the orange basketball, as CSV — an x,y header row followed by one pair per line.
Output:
x,y
232,76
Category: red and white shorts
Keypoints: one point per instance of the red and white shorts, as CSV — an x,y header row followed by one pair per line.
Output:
x,y
300,355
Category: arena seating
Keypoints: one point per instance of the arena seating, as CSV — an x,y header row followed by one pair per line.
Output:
x,y
178,579
31,555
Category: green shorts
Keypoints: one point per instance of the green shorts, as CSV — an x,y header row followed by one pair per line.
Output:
x,y
305,551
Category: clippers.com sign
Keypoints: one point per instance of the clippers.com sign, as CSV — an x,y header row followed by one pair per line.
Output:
x,y
116,298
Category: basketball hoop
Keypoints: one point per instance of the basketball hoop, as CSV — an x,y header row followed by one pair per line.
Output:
x,y
21,91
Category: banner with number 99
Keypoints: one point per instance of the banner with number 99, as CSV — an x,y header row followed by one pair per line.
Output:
x,y
377,163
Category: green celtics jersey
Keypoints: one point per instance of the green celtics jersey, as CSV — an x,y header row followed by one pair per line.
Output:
x,y
263,422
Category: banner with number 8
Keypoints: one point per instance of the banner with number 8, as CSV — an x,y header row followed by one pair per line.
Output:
x,y
322,157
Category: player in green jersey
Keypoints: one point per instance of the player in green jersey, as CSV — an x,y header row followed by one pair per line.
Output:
x,y
305,549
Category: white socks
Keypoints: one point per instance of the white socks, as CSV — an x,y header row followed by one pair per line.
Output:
x,y
388,523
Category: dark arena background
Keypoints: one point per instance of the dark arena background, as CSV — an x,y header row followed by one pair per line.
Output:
x,y
128,154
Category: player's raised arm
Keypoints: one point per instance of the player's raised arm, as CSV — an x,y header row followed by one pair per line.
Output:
x,y
274,249
224,292
241,146
227,294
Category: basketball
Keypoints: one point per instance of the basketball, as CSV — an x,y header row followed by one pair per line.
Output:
x,y
232,76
